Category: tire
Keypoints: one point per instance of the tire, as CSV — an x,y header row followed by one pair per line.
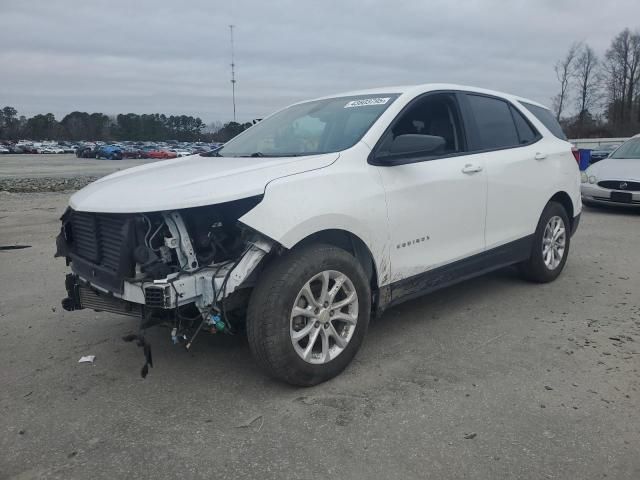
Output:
x,y
271,324
535,269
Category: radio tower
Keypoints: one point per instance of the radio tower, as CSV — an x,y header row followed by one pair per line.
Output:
x,y
233,75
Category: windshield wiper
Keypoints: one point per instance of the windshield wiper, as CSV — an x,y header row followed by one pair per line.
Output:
x,y
256,155
264,155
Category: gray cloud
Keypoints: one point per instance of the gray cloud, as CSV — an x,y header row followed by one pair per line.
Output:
x,y
173,57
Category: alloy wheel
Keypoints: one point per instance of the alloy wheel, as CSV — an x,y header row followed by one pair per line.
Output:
x,y
323,317
553,242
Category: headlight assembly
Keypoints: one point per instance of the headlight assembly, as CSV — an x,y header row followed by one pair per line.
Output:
x,y
592,179
583,177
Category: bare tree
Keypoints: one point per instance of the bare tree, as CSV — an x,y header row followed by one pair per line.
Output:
x,y
622,69
587,81
565,72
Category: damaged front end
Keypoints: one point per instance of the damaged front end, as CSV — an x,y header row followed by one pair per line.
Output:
x,y
190,269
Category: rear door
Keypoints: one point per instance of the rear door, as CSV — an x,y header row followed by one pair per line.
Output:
x,y
513,155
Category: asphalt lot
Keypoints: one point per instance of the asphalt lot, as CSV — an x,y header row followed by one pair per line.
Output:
x,y
61,165
493,378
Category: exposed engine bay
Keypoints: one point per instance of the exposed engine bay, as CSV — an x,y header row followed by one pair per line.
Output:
x,y
189,269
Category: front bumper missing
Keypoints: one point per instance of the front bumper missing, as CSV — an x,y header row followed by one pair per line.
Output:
x,y
175,290
80,295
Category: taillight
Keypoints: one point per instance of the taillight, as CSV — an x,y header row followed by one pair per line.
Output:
x,y
576,154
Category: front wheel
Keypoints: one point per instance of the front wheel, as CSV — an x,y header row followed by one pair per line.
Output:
x,y
308,315
550,245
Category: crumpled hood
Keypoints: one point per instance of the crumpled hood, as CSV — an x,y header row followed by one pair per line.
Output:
x,y
189,182
616,169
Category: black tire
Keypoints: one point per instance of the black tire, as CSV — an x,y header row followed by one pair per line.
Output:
x,y
534,269
271,302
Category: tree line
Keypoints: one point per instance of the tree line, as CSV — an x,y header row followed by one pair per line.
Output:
x,y
78,126
599,95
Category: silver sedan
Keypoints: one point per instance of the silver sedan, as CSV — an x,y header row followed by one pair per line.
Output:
x,y
616,179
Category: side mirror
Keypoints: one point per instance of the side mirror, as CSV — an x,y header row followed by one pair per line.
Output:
x,y
413,144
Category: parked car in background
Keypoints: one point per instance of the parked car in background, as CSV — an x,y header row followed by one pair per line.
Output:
x,y
50,149
161,153
181,153
145,150
323,214
29,148
16,148
86,151
616,179
4,149
131,152
602,152
67,147
109,152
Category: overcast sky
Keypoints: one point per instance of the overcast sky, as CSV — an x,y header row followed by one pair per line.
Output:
x,y
172,56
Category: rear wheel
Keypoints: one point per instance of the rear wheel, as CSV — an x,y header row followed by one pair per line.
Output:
x,y
308,314
550,245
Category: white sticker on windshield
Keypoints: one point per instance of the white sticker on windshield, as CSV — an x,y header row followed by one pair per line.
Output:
x,y
367,101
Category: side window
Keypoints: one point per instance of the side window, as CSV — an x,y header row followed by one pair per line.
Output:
x,y
496,127
434,115
526,133
547,119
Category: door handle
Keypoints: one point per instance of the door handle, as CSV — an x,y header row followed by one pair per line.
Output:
x,y
471,168
540,156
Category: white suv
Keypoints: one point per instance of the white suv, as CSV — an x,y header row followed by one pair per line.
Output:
x,y
323,214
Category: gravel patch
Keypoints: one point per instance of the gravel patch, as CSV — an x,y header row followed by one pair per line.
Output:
x,y
44,184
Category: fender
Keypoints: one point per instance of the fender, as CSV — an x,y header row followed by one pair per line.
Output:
x,y
347,195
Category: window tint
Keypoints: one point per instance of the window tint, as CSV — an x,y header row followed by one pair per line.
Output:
x,y
494,121
526,132
434,115
547,119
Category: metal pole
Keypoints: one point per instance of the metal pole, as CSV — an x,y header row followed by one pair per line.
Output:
x,y
233,74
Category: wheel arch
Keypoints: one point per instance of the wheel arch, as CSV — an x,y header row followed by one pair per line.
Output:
x,y
351,243
564,199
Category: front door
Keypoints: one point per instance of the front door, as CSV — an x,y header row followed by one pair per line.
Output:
x,y
437,202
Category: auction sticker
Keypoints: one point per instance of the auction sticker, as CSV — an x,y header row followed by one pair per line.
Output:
x,y
367,101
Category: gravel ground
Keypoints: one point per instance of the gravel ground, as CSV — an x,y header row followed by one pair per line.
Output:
x,y
492,378
44,184
61,166
56,173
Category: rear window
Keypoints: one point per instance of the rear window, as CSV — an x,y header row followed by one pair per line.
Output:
x,y
526,132
547,119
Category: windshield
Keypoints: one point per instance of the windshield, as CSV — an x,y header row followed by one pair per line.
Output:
x,y
629,149
321,126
